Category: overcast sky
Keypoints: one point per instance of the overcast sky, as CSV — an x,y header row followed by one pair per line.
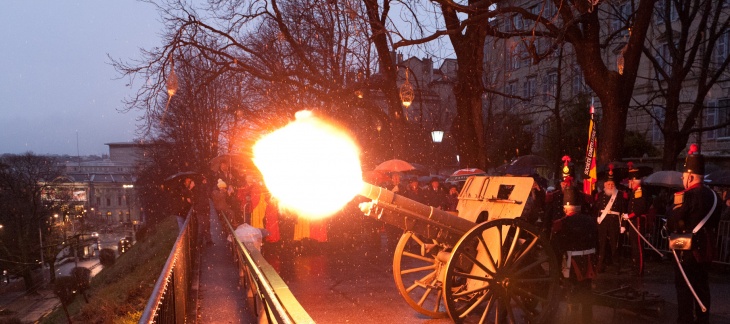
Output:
x,y
55,77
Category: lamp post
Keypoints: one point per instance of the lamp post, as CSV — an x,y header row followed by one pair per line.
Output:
x,y
437,136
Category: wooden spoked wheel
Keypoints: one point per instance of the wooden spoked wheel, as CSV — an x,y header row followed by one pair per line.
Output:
x,y
502,271
417,272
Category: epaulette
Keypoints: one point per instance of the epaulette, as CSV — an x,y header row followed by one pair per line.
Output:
x,y
678,198
637,193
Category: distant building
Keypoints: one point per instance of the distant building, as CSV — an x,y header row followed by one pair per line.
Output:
x,y
104,188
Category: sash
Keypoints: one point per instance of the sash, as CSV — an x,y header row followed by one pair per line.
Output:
x,y
607,209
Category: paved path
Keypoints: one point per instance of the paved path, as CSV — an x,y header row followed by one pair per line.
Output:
x,y
220,298
356,285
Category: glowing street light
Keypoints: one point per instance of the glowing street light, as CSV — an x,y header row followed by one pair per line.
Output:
x,y
406,92
437,136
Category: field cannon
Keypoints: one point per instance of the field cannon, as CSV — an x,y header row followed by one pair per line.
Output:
x,y
483,264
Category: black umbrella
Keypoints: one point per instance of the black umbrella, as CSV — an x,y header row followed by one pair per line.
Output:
x,y
232,159
718,178
668,179
529,161
182,175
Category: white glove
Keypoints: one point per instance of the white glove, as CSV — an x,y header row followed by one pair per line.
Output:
x,y
623,229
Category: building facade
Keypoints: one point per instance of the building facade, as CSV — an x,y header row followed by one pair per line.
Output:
x,y
524,81
105,188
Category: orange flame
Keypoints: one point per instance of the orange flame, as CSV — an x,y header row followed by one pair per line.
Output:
x,y
310,166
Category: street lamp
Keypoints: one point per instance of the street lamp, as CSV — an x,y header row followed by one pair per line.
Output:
x,y
437,136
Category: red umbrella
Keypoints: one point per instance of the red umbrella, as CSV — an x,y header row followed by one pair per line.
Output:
x,y
463,174
375,177
395,165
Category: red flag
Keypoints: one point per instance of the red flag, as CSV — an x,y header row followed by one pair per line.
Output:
x,y
590,167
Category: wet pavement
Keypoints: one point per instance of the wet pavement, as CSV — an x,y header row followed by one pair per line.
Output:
x,y
220,297
354,284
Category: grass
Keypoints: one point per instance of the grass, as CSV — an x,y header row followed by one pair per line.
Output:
x,y
119,293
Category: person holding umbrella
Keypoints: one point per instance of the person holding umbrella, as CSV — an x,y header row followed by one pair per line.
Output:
x,y
183,201
696,211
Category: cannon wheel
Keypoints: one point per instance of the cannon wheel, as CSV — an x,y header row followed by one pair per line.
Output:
x,y
514,279
417,271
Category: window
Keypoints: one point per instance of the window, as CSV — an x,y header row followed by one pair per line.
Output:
x,y
660,11
656,131
550,10
622,19
507,25
119,201
108,202
511,90
98,200
664,59
517,22
515,57
551,86
718,112
710,119
578,83
721,48
528,90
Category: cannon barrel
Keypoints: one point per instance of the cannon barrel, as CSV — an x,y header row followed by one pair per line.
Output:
x,y
411,215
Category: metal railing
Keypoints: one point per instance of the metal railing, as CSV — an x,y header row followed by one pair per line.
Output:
x,y
273,302
170,299
659,238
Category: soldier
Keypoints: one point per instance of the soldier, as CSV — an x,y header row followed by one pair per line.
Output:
x,y
636,214
608,209
574,236
554,200
696,210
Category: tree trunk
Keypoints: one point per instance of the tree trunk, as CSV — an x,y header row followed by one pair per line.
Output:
x,y
613,128
388,85
468,126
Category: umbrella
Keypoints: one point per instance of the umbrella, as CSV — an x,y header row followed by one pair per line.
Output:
x,y
229,158
420,169
529,161
395,165
463,174
718,178
518,170
182,175
375,177
669,179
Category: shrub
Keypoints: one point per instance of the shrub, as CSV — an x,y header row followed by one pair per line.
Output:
x,y
107,257
64,288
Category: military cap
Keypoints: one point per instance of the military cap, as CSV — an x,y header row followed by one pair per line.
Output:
x,y
695,162
571,197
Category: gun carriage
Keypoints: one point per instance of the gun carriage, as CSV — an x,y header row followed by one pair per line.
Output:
x,y
482,264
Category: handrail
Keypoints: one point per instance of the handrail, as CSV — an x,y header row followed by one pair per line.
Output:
x,y
267,286
172,285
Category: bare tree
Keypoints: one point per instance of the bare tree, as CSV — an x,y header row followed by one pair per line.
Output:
x,y
582,24
23,211
687,64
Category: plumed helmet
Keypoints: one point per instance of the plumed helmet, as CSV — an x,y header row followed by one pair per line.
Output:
x,y
633,172
609,176
571,197
566,170
695,162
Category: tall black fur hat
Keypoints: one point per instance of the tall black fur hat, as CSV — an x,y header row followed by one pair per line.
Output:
x,y
571,197
695,162
633,172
